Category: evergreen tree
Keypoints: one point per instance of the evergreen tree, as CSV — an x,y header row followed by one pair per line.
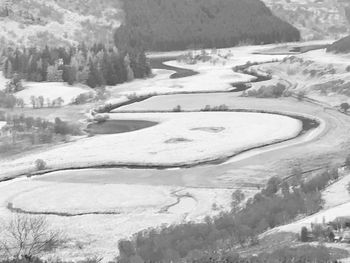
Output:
x,y
95,77
129,71
54,74
7,70
83,75
96,66
69,74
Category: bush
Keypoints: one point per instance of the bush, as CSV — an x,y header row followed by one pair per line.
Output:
x,y
99,118
347,161
177,109
82,99
272,91
345,107
40,165
301,95
222,107
65,128
14,85
304,234
28,237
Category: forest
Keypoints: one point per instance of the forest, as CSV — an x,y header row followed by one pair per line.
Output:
x,y
94,66
162,25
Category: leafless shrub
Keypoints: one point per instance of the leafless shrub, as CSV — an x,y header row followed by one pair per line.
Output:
x,y
28,236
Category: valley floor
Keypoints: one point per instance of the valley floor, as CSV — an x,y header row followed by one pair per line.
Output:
x,y
96,207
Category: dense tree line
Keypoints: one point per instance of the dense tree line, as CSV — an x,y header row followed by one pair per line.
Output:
x,y
174,25
278,203
95,66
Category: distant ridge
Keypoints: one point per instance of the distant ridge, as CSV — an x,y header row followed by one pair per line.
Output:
x,y
340,46
315,19
174,25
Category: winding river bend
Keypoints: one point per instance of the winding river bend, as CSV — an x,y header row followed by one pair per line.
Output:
x,y
324,137
174,174
158,63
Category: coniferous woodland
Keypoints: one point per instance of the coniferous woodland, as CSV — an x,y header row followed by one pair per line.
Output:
x,y
94,66
177,25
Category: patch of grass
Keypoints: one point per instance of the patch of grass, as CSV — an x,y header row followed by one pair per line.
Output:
x,y
209,129
177,140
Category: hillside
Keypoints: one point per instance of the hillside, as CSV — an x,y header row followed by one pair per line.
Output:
x,y
340,46
170,24
41,22
316,19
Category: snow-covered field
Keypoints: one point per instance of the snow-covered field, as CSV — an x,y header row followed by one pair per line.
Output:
x,y
141,207
91,198
3,81
51,91
178,139
337,193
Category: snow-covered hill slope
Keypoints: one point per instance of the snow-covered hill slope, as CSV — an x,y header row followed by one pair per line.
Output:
x,y
316,19
41,22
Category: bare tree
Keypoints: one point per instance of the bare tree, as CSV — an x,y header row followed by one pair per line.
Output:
x,y
29,236
33,101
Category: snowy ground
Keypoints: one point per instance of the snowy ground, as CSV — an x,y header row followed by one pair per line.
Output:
x,y
91,198
180,138
337,193
212,77
141,207
2,124
3,81
51,91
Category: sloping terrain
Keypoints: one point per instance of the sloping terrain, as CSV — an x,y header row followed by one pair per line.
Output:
x,y
340,46
177,25
316,19
226,23
41,22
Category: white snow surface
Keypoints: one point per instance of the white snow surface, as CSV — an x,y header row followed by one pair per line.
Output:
x,y
51,91
337,193
3,81
179,138
91,198
141,207
2,124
